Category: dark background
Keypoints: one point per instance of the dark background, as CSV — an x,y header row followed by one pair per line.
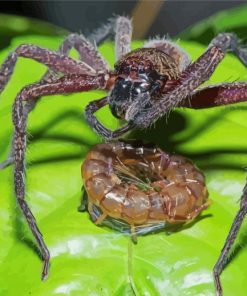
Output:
x,y
82,16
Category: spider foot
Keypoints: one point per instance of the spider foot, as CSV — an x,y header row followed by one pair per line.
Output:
x,y
230,42
242,54
217,284
46,266
6,163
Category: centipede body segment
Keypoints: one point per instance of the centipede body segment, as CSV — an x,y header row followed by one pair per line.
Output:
x,y
142,185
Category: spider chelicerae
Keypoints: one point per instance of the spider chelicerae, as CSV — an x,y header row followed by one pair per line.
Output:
x,y
144,85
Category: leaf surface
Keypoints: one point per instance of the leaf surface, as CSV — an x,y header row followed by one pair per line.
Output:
x,y
91,260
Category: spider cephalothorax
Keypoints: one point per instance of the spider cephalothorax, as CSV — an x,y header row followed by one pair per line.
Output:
x,y
145,85
141,78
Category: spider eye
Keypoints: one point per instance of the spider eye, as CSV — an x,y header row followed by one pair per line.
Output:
x,y
143,75
141,71
136,90
140,87
120,78
144,86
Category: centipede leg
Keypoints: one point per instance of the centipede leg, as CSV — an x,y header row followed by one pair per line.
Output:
x,y
196,212
100,219
133,234
84,201
96,218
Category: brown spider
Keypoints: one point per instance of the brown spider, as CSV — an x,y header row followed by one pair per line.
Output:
x,y
145,84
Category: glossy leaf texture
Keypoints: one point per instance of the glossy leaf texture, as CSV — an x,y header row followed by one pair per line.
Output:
x,y
231,20
92,260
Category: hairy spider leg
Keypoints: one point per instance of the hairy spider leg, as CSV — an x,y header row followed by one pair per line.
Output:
x,y
65,85
123,36
69,84
58,62
191,78
179,55
55,61
100,34
88,55
184,94
86,50
228,93
119,26
194,75
106,30
231,237
94,106
217,95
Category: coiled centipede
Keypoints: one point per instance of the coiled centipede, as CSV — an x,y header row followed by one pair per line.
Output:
x,y
141,187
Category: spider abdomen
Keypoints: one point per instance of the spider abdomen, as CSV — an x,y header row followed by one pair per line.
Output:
x,y
146,60
141,76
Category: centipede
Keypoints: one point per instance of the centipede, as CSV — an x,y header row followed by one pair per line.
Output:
x,y
139,188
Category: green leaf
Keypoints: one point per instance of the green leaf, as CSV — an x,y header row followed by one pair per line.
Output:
x,y
232,20
92,260
13,25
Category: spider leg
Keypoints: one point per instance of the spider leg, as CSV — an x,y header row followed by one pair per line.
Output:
x,y
211,96
94,106
29,106
123,36
62,86
123,32
217,95
55,61
230,42
91,60
88,52
88,55
224,256
191,78
104,31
